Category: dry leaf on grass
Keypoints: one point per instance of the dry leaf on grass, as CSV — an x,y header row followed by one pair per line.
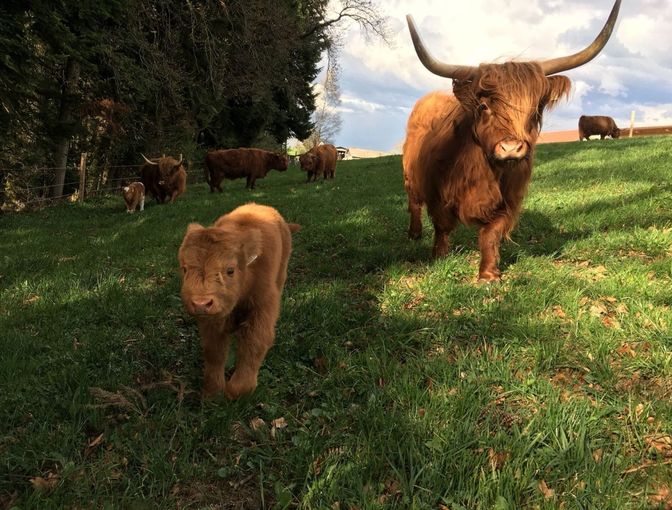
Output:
x,y
278,423
660,443
547,492
662,496
257,423
44,484
497,459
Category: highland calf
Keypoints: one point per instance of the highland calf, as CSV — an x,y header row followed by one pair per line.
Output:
x,y
134,196
468,156
232,164
233,274
165,178
320,160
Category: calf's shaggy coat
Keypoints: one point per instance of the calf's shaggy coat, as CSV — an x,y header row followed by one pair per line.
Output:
x,y
233,274
134,196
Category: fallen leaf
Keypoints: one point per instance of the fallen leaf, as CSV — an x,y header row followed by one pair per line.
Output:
x,y
662,495
598,310
497,459
626,350
547,492
44,484
257,423
660,443
597,455
279,423
559,312
320,365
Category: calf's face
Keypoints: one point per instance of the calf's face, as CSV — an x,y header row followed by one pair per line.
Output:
x,y
213,264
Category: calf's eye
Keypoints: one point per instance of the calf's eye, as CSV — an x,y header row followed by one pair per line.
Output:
x,y
229,271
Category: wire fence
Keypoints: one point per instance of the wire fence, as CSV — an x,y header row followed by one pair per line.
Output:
x,y
35,187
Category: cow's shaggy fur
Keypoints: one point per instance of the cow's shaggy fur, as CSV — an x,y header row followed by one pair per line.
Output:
x,y
165,179
468,156
233,274
320,160
252,164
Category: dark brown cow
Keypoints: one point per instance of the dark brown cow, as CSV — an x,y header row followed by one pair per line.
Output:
x,y
597,125
164,178
320,160
232,164
468,156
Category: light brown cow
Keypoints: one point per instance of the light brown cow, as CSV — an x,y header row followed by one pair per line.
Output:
x,y
134,196
468,156
320,160
233,274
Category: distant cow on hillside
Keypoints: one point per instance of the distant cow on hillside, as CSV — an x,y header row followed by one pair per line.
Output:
x,y
164,178
597,125
232,164
320,160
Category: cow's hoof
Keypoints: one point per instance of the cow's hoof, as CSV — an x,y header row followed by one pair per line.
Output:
x,y
414,234
489,277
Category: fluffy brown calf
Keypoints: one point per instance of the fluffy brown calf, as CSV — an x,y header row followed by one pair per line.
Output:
x,y
134,196
320,160
252,164
165,178
233,274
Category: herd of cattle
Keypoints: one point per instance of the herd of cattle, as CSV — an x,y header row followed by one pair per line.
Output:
x,y
467,157
165,178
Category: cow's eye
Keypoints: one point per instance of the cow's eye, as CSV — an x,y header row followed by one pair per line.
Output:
x,y
229,271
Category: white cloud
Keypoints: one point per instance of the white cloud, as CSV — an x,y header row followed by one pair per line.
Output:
x,y
634,72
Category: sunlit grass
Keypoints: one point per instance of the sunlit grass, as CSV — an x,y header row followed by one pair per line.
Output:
x,y
402,382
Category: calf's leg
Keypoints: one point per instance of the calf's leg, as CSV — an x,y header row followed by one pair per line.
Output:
x,y
215,343
415,209
255,338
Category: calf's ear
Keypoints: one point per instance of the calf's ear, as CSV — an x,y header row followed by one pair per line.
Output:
x,y
250,247
194,227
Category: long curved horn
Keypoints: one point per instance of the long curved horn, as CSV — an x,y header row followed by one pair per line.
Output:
x,y
147,160
557,65
180,161
440,68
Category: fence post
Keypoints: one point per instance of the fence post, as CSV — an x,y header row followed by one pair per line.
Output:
x,y
632,122
82,177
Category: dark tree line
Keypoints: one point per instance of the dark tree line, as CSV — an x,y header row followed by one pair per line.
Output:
x,y
114,78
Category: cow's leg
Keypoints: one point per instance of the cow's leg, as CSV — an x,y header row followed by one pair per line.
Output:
x,y
489,240
142,203
415,209
255,338
443,226
215,343
252,181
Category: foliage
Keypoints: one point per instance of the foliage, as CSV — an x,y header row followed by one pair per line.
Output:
x,y
396,381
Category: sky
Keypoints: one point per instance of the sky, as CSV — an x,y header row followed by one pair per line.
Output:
x,y
380,84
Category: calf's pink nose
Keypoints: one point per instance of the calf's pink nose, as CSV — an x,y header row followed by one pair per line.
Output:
x,y
202,305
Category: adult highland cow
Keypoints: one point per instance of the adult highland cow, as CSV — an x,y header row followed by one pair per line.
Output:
x,y
468,156
164,178
320,160
252,164
590,125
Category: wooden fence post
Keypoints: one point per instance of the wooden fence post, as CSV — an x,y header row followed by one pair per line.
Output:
x,y
632,122
82,177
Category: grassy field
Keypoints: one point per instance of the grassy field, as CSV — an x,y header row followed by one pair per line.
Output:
x,y
395,382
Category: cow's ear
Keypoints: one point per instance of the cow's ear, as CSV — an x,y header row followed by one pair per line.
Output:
x,y
251,247
194,227
559,88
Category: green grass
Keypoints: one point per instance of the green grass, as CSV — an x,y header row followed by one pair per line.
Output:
x,y
402,382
